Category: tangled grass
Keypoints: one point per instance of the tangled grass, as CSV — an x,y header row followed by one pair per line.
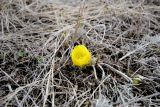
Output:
x,y
37,37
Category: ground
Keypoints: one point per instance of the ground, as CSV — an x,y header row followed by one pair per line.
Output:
x,y
37,37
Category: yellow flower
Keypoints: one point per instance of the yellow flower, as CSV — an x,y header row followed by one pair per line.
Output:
x,y
80,56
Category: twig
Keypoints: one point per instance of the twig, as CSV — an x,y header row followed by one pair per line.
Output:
x,y
129,53
141,98
118,72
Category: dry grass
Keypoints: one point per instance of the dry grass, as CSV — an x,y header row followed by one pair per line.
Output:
x,y
36,39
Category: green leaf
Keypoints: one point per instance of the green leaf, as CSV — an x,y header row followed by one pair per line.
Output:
x,y
21,53
39,59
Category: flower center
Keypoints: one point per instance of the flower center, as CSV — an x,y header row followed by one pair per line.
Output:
x,y
80,55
